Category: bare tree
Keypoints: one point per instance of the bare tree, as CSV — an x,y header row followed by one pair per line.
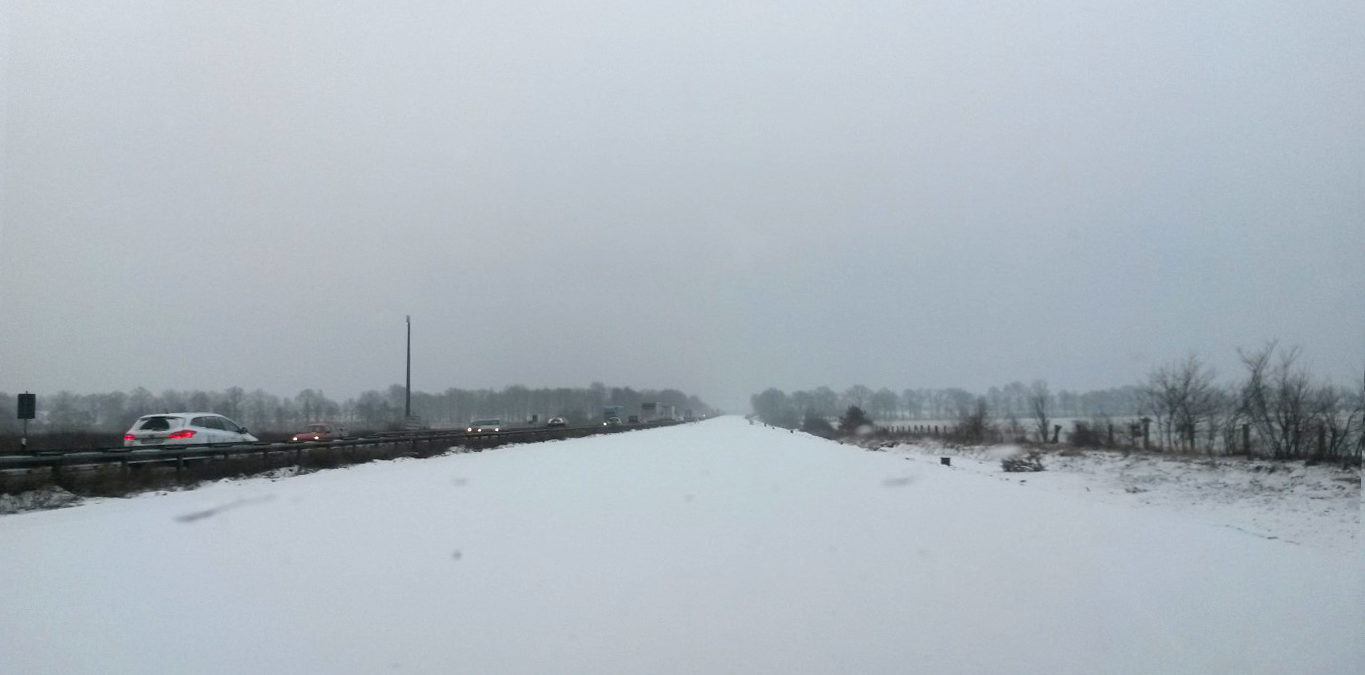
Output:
x,y
883,403
1276,400
1336,417
858,395
961,402
975,426
1182,398
1359,410
825,401
914,403
1039,399
1360,428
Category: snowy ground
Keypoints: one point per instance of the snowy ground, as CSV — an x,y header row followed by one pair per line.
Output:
x,y
1313,505
705,548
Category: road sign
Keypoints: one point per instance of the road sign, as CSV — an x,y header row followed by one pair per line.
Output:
x,y
28,403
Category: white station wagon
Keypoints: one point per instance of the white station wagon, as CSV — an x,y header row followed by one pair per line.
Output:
x,y
185,428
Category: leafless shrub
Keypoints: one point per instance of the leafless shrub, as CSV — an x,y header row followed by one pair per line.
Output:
x,y
975,426
1032,461
1087,434
1039,399
1182,399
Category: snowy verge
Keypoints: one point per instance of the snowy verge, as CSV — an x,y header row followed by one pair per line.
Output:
x,y
35,500
1313,505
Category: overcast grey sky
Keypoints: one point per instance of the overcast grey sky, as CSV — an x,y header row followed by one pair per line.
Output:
x,y
718,197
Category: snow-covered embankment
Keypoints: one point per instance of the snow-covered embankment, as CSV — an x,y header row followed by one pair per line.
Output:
x,y
714,547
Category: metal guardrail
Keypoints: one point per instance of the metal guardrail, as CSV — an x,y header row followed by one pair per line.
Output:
x,y
179,454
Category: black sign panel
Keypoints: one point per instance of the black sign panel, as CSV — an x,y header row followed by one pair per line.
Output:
x,y
27,404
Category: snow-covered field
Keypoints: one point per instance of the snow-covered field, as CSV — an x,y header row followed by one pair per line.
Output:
x,y
705,548
1313,505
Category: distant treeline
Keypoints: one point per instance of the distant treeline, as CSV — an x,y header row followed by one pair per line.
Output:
x,y
1275,409
66,412
885,405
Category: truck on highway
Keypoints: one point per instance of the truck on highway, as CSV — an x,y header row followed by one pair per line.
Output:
x,y
653,411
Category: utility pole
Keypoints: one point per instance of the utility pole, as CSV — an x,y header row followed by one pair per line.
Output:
x,y
407,387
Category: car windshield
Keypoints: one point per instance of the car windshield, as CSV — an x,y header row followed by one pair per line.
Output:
x,y
318,428
485,423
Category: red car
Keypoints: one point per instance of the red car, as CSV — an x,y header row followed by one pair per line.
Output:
x,y
319,432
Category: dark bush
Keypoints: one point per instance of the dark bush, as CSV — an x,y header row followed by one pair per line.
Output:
x,y
854,419
818,426
1029,462
975,426
1087,434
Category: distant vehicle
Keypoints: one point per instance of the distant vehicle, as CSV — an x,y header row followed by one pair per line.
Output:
x,y
653,411
612,422
480,426
319,432
556,422
185,428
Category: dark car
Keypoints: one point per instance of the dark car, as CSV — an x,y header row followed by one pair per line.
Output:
x,y
482,426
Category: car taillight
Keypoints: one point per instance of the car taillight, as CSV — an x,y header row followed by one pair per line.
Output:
x,y
188,433
129,437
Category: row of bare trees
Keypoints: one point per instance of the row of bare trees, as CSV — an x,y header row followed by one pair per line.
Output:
x,y
66,412
1275,410
1015,399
